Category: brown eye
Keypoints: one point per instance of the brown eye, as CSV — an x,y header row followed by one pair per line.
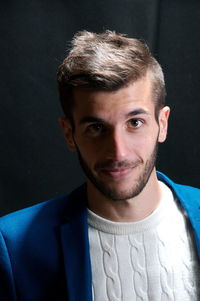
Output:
x,y
95,129
135,123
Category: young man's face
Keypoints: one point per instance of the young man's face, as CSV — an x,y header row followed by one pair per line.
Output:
x,y
116,136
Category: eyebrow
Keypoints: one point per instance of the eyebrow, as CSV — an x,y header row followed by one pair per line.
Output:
x,y
136,112
88,119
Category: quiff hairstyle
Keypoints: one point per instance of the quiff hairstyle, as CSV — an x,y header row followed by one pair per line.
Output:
x,y
107,62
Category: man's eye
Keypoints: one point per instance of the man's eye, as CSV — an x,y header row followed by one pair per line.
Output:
x,y
95,128
135,123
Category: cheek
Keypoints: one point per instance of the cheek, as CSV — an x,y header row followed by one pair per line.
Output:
x,y
89,150
145,145
144,136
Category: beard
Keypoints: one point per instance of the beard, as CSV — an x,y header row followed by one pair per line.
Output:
x,y
111,193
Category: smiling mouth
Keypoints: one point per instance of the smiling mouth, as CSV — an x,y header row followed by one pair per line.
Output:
x,y
116,173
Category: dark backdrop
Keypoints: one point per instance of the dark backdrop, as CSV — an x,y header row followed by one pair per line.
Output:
x,y
35,164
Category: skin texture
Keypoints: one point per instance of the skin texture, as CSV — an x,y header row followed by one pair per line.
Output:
x,y
116,136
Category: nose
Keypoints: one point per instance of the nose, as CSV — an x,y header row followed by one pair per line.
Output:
x,y
116,145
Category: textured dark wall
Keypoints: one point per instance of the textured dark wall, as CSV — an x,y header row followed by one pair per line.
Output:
x,y
178,52
35,164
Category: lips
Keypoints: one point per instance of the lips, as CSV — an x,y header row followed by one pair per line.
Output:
x,y
116,173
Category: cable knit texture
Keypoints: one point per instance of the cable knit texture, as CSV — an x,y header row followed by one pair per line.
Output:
x,y
150,260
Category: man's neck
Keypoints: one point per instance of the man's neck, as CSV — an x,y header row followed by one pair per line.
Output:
x,y
130,210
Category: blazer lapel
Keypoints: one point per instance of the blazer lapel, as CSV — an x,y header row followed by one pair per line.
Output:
x,y
75,244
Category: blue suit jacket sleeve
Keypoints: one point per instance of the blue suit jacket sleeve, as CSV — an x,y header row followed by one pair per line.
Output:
x,y
7,291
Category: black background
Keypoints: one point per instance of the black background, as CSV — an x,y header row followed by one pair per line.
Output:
x,y
35,164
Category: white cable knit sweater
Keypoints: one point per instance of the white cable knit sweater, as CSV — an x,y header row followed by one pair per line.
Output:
x,y
150,260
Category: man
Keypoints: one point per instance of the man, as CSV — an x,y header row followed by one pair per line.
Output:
x,y
129,233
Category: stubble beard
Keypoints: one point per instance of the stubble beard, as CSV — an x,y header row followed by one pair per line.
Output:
x,y
137,187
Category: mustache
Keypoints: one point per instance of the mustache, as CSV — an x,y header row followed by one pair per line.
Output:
x,y
110,164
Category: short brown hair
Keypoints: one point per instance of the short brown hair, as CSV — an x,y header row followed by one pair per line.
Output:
x,y
107,61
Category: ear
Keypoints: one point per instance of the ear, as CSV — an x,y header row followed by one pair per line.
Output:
x,y
163,123
68,133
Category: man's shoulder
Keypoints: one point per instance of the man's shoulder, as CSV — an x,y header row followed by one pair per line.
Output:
x,y
36,214
188,189
179,188
188,197
45,214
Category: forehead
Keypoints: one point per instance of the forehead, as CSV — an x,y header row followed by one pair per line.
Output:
x,y
137,95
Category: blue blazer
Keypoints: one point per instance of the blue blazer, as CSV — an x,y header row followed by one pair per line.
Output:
x,y
44,249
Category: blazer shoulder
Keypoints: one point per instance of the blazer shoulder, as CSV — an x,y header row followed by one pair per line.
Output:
x,y
44,215
188,190
189,195
43,211
185,189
